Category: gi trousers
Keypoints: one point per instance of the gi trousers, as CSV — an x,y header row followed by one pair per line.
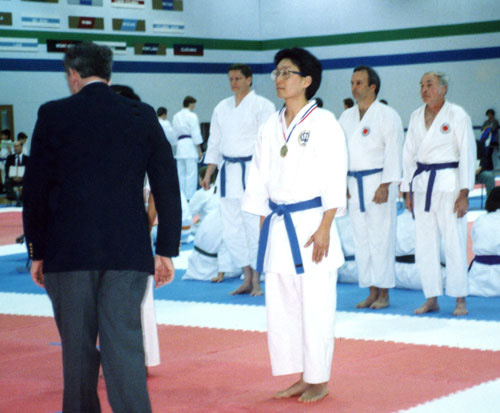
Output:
x,y
301,322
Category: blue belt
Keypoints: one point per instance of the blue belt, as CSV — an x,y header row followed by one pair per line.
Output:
x,y
359,175
241,160
285,210
432,168
183,137
486,259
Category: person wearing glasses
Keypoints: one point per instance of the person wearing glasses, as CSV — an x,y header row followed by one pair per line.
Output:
x,y
233,131
374,133
297,182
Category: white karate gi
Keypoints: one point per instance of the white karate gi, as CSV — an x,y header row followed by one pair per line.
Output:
x,y
374,142
169,133
300,308
185,122
348,273
407,275
449,139
484,280
233,131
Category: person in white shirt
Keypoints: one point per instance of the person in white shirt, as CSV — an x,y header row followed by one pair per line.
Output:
x,y
188,141
484,270
297,181
374,133
162,113
233,131
439,158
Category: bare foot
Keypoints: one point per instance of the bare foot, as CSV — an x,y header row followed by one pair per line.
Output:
x,y
314,393
256,291
245,288
460,309
430,305
379,303
219,278
367,302
295,389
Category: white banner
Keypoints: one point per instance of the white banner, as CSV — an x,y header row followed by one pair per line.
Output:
x,y
116,47
169,27
10,44
41,21
135,4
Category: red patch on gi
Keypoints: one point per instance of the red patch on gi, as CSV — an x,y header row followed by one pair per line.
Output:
x,y
445,128
366,131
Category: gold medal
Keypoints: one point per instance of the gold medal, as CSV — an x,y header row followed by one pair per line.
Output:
x,y
284,151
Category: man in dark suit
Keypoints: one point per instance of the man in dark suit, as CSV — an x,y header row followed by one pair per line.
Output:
x,y
14,172
87,231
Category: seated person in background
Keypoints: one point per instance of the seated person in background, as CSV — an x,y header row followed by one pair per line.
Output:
x,y
486,145
23,138
348,103
5,150
348,273
210,260
484,271
14,172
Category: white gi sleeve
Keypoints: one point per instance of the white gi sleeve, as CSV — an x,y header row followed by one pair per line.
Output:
x,y
393,140
266,110
409,157
213,154
195,130
332,156
466,143
256,196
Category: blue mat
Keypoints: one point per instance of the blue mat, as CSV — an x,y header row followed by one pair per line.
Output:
x,y
403,302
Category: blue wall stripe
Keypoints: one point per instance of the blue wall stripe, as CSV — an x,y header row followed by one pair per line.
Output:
x,y
49,65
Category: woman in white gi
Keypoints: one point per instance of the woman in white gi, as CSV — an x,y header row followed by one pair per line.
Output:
x,y
297,179
484,272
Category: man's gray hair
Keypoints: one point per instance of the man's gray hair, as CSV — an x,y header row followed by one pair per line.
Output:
x,y
443,79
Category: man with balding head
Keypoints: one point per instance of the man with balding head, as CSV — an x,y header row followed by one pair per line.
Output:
x,y
439,157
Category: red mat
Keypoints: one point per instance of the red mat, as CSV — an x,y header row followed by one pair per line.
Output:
x,y
210,370
11,226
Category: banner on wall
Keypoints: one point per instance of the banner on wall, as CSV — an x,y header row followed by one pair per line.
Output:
x,y
80,22
44,1
5,19
129,25
135,4
50,22
9,44
60,46
150,49
174,5
85,2
116,47
169,27
188,50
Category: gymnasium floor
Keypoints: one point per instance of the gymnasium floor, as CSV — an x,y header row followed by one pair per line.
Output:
x,y
214,353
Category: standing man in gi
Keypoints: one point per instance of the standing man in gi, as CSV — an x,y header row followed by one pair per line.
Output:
x,y
166,125
188,146
374,133
233,131
87,231
439,158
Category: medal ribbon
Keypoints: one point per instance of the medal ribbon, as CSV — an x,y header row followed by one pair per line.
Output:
x,y
302,119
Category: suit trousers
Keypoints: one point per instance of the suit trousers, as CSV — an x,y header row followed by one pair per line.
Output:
x,y
107,304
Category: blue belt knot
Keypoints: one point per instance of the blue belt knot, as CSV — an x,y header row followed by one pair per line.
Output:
x,y
359,175
285,210
432,168
242,161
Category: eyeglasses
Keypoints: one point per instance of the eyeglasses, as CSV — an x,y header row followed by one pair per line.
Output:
x,y
284,73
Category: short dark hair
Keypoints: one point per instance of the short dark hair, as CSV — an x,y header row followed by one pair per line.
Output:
x,y
22,135
349,102
492,111
6,132
161,111
125,91
243,68
373,78
89,59
493,200
308,65
188,100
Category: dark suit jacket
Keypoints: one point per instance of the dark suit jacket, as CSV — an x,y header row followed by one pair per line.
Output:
x,y
83,187
11,161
